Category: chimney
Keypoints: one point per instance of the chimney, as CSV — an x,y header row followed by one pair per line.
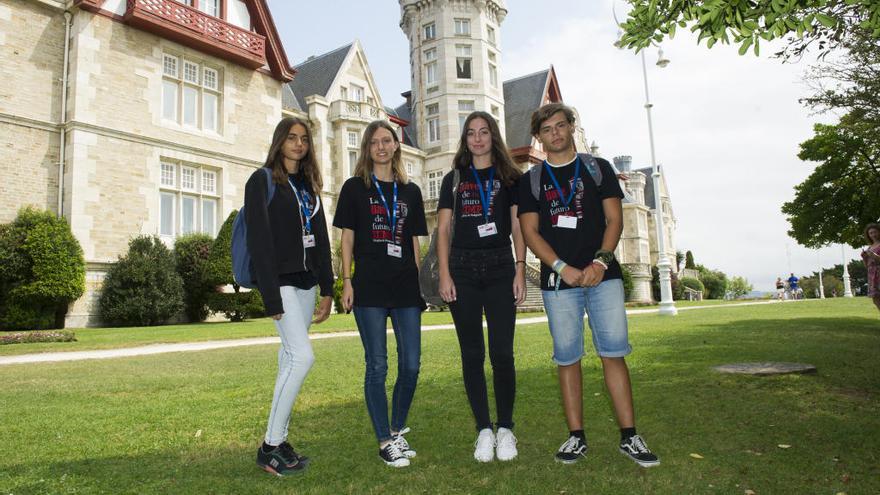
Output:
x,y
623,163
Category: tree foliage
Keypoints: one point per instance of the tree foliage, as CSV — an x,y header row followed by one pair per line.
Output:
x,y
689,260
192,258
715,282
738,287
238,304
143,287
843,193
801,23
42,271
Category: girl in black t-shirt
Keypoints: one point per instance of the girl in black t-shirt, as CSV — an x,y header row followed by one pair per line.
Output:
x,y
290,255
479,274
381,216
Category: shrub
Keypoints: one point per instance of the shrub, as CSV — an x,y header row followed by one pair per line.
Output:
x,y
238,305
627,282
693,284
677,290
31,337
714,281
42,271
143,287
192,259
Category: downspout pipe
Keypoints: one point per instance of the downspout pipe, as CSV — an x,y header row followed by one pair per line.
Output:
x,y
63,124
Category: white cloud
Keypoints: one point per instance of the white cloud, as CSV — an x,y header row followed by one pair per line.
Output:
x,y
726,129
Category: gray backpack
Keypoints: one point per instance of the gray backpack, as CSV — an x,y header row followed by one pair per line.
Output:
x,y
589,162
429,272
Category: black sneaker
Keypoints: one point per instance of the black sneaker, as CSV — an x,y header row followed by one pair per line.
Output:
x,y
403,445
634,448
289,452
392,456
279,461
573,449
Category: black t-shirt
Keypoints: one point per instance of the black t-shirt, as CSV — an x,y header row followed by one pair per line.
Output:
x,y
381,280
470,209
577,247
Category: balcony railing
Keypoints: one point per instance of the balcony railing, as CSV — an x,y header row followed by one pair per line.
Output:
x,y
355,110
192,27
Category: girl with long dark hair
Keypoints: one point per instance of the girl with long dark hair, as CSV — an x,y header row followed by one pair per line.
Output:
x,y
478,273
381,215
290,255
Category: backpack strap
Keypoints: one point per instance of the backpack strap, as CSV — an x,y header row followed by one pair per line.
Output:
x,y
271,185
589,162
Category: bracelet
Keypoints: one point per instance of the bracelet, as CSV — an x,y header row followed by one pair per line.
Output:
x,y
558,265
600,262
520,261
346,278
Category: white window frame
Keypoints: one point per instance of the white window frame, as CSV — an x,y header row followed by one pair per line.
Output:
x,y
435,179
429,31
462,26
196,91
493,69
465,108
464,58
490,34
204,190
352,139
433,122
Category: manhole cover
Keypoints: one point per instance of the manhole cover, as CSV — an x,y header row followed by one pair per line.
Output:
x,y
766,368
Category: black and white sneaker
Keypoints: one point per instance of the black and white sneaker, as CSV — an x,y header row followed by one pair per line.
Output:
x,y
573,449
392,456
402,444
634,447
280,462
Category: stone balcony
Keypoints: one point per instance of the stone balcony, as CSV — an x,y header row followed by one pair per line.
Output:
x,y
194,28
357,111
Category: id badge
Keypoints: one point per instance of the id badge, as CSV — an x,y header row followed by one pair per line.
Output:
x,y
395,250
487,229
309,241
566,222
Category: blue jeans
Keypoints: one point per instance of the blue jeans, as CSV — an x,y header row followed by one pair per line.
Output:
x,y
607,318
407,323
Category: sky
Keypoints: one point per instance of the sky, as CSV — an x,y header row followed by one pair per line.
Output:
x,y
726,127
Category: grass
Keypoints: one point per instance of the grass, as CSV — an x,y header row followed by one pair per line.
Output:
x,y
190,422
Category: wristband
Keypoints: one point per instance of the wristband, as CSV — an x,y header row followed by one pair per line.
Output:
x,y
346,278
558,265
600,262
520,261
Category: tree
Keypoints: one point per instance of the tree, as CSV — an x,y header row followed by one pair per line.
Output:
x,y
191,257
715,282
801,23
679,259
143,287
42,271
689,260
238,304
738,287
834,203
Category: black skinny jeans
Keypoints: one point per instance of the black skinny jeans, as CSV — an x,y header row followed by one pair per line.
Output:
x,y
484,281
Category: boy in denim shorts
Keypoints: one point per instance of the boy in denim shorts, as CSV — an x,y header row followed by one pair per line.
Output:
x,y
571,217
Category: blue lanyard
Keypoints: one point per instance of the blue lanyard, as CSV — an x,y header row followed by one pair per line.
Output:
x,y
303,199
577,173
485,196
390,212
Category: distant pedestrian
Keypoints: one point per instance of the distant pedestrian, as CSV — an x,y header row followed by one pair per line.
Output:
x,y
780,288
871,256
793,286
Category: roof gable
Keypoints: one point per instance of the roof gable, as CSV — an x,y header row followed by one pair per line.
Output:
x,y
317,74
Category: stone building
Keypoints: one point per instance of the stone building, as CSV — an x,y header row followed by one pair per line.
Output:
x,y
134,117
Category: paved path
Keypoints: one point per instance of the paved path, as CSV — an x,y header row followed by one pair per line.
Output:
x,y
47,357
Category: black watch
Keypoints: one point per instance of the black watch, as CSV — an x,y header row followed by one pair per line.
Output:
x,y
605,257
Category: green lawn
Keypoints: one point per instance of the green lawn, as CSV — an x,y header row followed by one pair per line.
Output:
x,y
190,422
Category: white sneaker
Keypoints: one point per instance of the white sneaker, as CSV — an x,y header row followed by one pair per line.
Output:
x,y
403,445
505,445
484,447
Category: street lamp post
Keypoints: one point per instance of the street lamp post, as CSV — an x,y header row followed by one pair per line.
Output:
x,y
847,289
664,266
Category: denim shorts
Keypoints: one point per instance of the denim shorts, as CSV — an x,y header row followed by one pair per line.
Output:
x,y
603,305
